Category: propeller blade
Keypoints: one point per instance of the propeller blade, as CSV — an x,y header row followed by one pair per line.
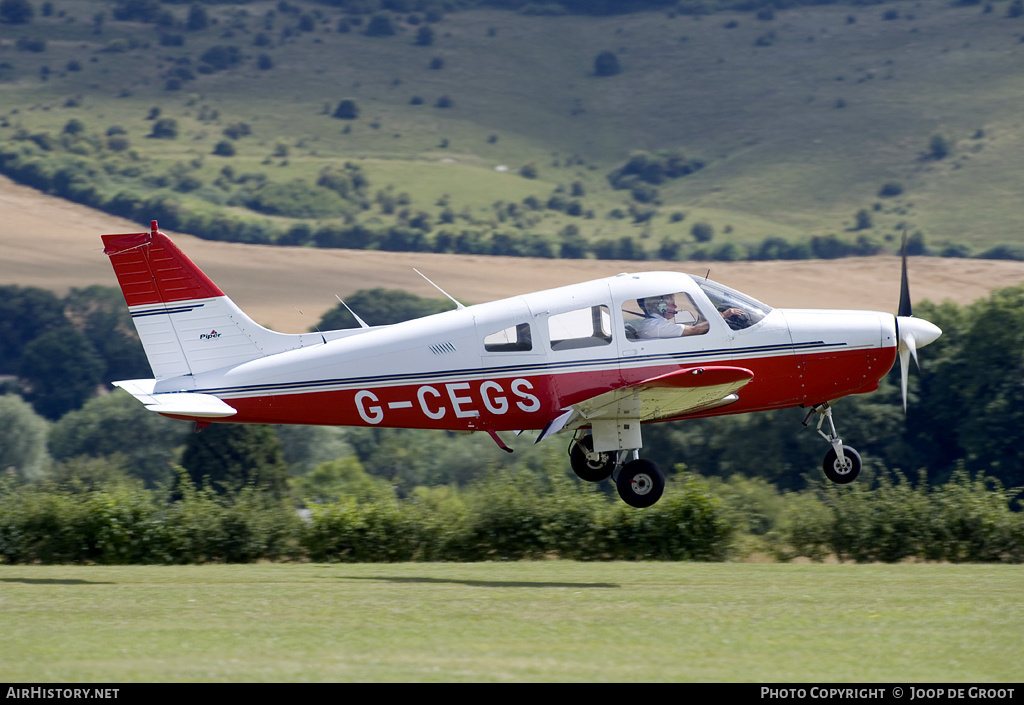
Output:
x,y
904,364
912,333
905,308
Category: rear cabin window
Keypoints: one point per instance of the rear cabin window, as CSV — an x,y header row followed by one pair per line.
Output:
x,y
583,328
512,339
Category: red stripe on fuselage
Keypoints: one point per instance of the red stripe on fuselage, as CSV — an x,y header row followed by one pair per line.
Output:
x,y
530,401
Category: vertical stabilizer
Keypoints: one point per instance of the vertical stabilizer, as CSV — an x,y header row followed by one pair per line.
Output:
x,y
186,323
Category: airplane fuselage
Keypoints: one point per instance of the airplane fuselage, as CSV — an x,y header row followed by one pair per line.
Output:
x,y
440,372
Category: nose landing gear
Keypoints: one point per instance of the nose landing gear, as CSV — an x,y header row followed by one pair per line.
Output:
x,y
842,464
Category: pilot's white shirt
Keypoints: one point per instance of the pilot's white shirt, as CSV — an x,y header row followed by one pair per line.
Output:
x,y
658,327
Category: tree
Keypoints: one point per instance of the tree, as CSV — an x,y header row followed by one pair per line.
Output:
x,y
606,64
381,307
233,456
165,129
99,428
340,478
380,25
197,18
23,441
347,110
61,370
702,232
219,57
137,10
424,36
16,11
938,147
25,312
99,313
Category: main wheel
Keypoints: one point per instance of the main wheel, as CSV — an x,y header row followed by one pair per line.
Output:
x,y
640,483
586,465
842,473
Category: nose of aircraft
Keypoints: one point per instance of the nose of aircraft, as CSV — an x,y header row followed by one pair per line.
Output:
x,y
913,333
916,332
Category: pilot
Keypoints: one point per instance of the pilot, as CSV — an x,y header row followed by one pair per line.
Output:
x,y
659,319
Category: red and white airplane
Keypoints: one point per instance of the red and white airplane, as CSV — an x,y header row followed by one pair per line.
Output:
x,y
596,359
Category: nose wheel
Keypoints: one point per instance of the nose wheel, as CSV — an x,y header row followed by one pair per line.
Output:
x,y
842,470
640,483
842,463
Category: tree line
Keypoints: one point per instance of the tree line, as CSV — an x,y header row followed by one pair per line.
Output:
x,y
110,482
59,355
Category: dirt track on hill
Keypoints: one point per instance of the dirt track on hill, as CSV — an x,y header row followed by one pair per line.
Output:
x,y
51,243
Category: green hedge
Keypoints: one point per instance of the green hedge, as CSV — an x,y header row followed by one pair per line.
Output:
x,y
502,518
509,516
966,520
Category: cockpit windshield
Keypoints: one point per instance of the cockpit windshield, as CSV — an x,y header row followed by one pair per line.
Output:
x,y
739,310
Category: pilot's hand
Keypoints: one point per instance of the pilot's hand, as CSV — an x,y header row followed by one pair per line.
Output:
x,y
697,328
730,312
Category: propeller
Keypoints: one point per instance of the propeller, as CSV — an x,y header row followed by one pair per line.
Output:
x,y
912,333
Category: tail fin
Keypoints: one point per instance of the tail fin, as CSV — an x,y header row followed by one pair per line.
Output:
x,y
186,323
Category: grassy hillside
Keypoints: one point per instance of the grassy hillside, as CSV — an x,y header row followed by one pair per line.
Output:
x,y
798,121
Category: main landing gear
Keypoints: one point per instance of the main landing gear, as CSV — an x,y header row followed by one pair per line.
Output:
x,y
640,483
842,463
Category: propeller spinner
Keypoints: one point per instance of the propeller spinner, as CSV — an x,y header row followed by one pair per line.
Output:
x,y
913,333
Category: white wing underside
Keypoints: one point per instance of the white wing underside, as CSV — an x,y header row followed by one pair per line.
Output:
x,y
616,416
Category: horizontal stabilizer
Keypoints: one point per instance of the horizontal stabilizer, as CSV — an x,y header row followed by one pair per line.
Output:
x,y
189,404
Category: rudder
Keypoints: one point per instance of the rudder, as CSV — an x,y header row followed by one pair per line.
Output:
x,y
186,323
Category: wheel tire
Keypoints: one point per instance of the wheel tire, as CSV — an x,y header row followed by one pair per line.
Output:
x,y
839,473
640,483
591,471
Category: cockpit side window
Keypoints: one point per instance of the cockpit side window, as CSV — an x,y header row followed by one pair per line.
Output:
x,y
671,315
739,310
582,328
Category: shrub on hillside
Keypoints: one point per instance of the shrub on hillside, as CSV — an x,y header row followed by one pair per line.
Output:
x,y
702,232
16,11
346,110
164,128
380,25
224,148
653,169
219,58
607,64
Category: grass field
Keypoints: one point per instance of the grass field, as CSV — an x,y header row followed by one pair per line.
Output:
x,y
513,622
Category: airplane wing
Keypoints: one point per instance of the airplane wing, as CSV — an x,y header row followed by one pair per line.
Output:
x,y
674,394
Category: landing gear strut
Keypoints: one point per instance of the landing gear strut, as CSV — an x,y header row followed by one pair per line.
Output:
x,y
640,483
842,463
